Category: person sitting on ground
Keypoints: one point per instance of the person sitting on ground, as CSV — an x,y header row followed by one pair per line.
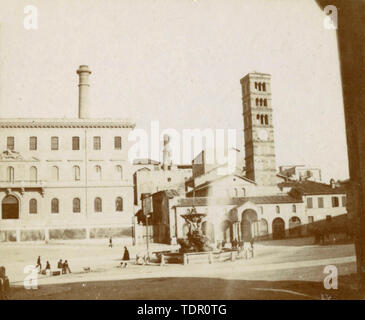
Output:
x,y
60,264
48,266
66,268
125,258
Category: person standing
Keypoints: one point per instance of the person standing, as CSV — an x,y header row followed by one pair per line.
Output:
x,y
110,242
252,242
39,264
125,258
59,265
66,267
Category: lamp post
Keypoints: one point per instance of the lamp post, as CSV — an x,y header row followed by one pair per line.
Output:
x,y
147,209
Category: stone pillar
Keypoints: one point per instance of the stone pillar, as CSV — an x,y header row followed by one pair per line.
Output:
x,y
17,235
239,231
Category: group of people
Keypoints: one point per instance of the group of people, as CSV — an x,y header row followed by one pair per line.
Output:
x,y
63,267
125,258
246,247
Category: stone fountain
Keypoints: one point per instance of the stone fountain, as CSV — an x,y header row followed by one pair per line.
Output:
x,y
196,241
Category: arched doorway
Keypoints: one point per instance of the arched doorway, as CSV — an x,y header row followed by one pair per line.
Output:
x,y
227,230
278,228
10,208
208,230
249,225
263,227
294,226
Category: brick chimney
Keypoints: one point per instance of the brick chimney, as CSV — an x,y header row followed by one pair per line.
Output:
x,y
84,101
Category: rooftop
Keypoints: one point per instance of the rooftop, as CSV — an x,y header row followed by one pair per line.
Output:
x,y
312,187
200,201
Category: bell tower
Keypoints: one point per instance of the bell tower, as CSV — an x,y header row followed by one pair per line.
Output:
x,y
258,129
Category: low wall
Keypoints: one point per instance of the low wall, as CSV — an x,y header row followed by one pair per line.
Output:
x,y
201,257
43,234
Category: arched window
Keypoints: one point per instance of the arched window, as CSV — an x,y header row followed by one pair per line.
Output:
x,y
10,174
277,209
259,86
266,119
76,205
265,102
33,206
33,174
257,101
119,172
262,119
119,204
255,85
55,173
261,102
294,208
76,173
264,86
97,205
54,206
98,172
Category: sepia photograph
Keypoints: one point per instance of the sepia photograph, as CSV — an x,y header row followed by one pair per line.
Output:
x,y
187,150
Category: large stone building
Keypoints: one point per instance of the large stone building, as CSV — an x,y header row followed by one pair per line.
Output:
x,y
65,178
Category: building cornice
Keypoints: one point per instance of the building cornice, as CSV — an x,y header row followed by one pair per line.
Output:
x,y
66,123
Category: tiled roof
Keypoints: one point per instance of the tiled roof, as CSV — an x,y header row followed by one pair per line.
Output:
x,y
200,201
312,187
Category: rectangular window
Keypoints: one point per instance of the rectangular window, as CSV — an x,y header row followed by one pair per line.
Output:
x,y
309,203
10,143
335,202
117,143
310,219
97,143
320,202
54,143
75,143
344,201
33,143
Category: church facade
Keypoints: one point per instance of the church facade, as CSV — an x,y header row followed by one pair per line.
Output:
x,y
256,201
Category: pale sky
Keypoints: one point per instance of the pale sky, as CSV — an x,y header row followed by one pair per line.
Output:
x,y
180,62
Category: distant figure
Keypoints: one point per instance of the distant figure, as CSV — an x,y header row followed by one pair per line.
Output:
x,y
48,266
252,243
4,284
125,258
234,244
60,264
110,242
65,267
39,264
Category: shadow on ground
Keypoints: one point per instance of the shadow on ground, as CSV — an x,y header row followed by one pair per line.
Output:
x,y
189,288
